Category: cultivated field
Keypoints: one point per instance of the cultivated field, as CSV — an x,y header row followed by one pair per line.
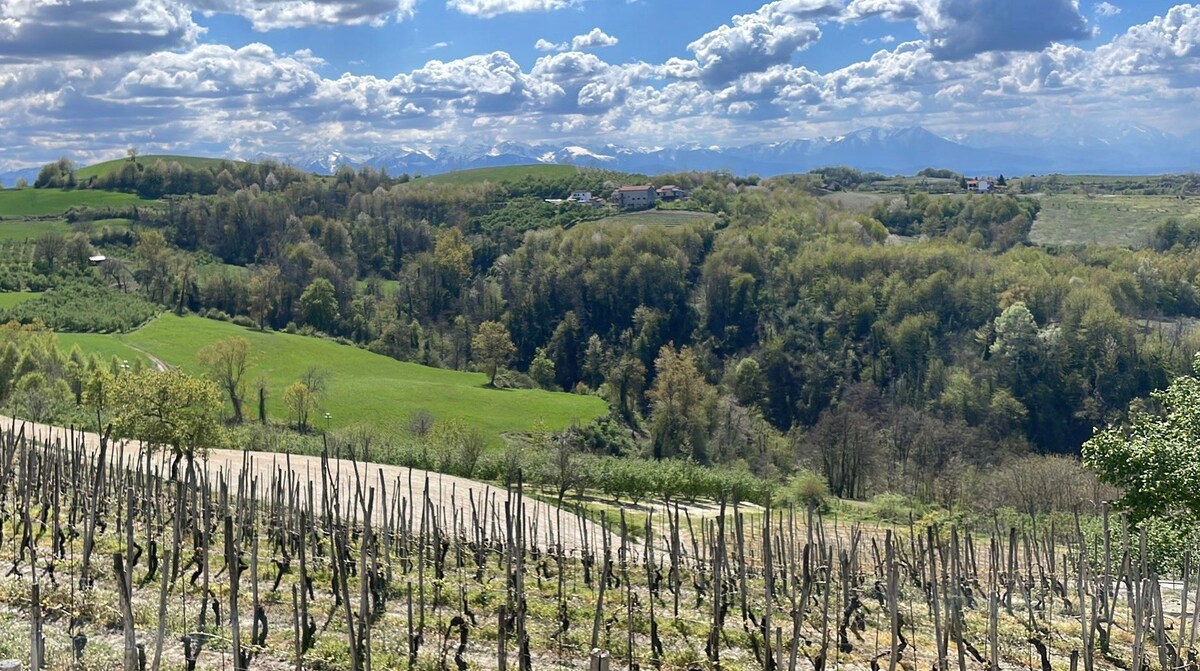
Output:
x,y
363,387
245,562
1074,219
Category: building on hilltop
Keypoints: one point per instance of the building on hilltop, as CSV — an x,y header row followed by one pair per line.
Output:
x,y
671,193
635,197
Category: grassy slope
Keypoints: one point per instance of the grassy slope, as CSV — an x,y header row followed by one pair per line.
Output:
x,y
14,298
505,174
26,230
108,166
654,218
39,202
1106,220
105,346
366,387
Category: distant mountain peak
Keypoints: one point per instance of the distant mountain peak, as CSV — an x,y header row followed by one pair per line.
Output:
x,y
1119,148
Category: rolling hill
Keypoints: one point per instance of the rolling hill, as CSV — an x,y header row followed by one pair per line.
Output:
x,y
504,174
30,202
98,169
363,387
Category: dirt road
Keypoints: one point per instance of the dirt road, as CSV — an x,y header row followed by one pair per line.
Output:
x,y
393,487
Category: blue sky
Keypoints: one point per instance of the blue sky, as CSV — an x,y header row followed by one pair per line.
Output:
x,y
89,78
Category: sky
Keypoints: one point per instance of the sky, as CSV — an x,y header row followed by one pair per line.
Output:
x,y
243,78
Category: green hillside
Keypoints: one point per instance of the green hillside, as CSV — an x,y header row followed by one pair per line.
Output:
x,y
366,387
108,166
104,346
655,218
30,202
505,174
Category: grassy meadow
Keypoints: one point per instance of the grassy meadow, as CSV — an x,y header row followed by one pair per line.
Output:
x,y
30,202
1076,219
505,174
104,346
99,169
15,298
363,388
654,218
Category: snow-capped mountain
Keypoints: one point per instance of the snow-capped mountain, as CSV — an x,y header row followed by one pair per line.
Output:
x,y
1118,149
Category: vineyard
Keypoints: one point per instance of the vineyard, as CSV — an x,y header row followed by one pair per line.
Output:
x,y
118,557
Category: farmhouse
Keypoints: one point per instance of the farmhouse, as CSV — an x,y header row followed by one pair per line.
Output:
x,y
985,185
585,198
635,197
671,193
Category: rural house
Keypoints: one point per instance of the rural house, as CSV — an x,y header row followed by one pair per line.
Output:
x,y
671,193
635,197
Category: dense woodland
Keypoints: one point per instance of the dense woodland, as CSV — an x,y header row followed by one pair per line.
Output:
x,y
900,351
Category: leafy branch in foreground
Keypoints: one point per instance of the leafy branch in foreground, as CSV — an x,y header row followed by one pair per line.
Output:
x,y
1155,458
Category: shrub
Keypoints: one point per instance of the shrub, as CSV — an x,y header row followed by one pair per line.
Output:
x,y
890,507
420,423
808,489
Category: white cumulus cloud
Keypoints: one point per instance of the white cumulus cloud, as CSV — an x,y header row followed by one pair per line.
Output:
x,y
593,39
491,8
38,29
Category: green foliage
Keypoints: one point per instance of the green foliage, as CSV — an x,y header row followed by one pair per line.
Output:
x,y
806,489
1154,459
85,307
682,407
493,346
895,508
1001,221
167,409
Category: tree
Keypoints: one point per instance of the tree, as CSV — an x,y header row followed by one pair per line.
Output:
x,y
541,370
494,347
96,390
262,389
625,380
1155,458
263,294
319,304
49,250
301,402
682,407
167,409
225,363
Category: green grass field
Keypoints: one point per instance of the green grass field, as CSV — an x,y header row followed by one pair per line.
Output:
x,y
104,346
14,298
108,166
20,230
654,218
365,388
29,202
505,174
1070,219
855,201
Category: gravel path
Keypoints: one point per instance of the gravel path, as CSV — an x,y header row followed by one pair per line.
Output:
x,y
450,497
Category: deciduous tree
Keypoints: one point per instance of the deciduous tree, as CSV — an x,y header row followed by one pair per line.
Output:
x,y
493,346
225,363
167,409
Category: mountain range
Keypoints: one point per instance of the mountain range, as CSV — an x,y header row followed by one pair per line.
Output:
x,y
1125,148
1119,149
